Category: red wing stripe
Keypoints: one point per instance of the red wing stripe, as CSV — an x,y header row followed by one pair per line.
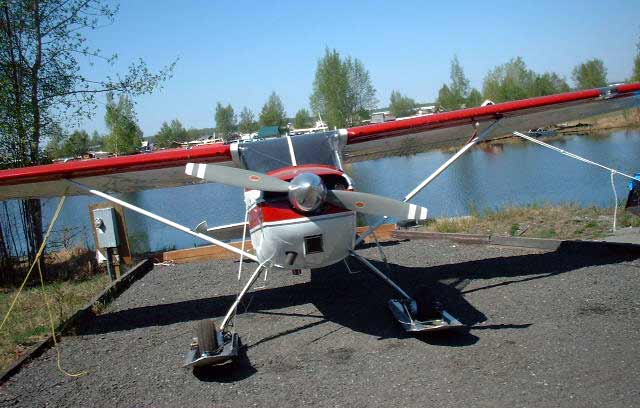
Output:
x,y
86,168
466,116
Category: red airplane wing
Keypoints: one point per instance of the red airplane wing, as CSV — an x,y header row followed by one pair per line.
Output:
x,y
166,168
443,128
116,174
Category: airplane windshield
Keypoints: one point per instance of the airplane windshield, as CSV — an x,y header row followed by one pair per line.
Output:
x,y
271,154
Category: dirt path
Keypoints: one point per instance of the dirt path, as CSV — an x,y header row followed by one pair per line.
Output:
x,y
546,329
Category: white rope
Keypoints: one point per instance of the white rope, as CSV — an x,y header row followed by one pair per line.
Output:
x,y
615,196
613,172
573,156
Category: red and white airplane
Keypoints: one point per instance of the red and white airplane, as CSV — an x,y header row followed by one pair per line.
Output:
x,y
300,204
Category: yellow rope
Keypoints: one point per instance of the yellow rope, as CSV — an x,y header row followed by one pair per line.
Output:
x,y
53,330
26,278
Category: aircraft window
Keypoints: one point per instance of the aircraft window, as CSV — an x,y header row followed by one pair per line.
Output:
x,y
315,148
265,155
271,154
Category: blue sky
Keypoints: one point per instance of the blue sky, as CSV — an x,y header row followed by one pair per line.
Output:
x,y
239,52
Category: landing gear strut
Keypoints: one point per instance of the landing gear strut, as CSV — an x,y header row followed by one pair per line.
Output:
x,y
406,309
219,345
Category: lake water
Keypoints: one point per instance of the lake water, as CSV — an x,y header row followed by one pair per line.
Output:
x,y
485,177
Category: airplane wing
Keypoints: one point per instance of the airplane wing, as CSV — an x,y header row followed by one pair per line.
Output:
x,y
457,126
116,174
166,168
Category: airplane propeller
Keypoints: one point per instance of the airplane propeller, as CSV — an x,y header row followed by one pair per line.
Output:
x,y
307,192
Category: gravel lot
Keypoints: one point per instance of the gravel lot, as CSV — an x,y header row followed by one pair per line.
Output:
x,y
545,329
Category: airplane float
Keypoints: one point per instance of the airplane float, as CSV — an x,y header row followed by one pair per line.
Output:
x,y
300,204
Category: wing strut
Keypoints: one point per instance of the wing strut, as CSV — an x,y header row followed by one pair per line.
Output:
x,y
475,138
163,220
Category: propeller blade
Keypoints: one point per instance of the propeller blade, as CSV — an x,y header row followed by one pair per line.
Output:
x,y
375,204
236,177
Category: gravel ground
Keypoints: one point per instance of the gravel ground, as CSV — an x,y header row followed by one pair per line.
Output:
x,y
545,329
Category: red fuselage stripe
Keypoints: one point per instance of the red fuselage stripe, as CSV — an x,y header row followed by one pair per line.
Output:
x,y
281,210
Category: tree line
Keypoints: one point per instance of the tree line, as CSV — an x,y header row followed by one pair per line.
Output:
x,y
343,95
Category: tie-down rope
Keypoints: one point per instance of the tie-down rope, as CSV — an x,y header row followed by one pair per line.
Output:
x,y
36,261
612,171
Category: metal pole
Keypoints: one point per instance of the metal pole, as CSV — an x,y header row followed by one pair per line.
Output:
x,y
234,306
440,169
382,276
164,220
110,270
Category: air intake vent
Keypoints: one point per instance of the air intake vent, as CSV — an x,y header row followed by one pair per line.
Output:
x,y
313,244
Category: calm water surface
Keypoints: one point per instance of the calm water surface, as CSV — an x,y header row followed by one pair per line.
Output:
x,y
486,177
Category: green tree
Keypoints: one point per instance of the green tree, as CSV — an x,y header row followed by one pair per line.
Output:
x,y
171,133
97,141
635,75
56,139
455,94
77,144
401,105
247,123
124,136
459,85
361,93
590,74
272,113
474,99
42,46
445,98
508,82
513,80
225,121
342,90
548,83
194,133
303,119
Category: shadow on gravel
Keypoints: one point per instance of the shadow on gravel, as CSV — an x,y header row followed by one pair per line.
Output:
x,y
358,301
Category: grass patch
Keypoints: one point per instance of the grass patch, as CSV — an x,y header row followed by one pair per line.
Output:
x,y
538,220
29,320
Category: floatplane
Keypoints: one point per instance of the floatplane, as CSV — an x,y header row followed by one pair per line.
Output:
x,y
300,203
